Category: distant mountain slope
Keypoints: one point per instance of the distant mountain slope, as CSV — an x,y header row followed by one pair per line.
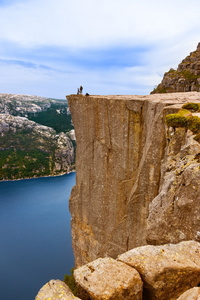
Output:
x,y
46,111
185,79
29,149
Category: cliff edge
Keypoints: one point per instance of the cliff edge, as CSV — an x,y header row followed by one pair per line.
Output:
x,y
121,163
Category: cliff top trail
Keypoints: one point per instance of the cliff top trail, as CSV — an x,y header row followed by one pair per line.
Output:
x,y
122,147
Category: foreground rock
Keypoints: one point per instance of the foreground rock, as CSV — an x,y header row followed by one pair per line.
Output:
x,y
167,271
191,294
55,289
105,279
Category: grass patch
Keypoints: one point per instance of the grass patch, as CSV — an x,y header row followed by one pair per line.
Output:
x,y
185,119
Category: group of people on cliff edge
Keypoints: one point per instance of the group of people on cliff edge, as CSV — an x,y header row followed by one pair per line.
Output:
x,y
80,90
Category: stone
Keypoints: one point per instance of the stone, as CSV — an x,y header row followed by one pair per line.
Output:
x,y
106,278
191,294
121,158
167,271
55,289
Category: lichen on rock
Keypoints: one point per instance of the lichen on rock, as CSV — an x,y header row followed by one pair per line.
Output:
x,y
55,289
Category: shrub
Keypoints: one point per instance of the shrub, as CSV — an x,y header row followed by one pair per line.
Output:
x,y
192,106
194,124
185,119
179,119
69,280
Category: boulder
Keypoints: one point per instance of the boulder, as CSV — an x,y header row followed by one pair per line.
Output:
x,y
55,289
106,278
167,271
191,294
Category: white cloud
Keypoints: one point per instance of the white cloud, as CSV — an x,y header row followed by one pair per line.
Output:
x,y
71,38
94,23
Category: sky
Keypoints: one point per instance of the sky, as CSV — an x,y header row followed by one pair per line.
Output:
x,y
51,47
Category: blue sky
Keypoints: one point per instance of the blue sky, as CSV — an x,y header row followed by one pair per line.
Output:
x,y
51,47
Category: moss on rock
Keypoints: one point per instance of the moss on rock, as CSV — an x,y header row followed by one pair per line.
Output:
x,y
184,118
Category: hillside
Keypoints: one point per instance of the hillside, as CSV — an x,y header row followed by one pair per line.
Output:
x,y
37,137
185,79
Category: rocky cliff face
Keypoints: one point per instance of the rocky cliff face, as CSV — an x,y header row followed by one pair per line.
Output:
x,y
186,78
174,215
121,151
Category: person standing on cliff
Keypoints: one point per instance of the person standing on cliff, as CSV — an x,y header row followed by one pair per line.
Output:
x,y
81,89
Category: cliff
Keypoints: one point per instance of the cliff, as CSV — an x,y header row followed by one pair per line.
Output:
x,y
185,79
123,151
29,149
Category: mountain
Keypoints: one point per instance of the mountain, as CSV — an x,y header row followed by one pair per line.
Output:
x,y
36,137
185,79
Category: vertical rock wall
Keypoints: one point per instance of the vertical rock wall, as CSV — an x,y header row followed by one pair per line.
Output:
x,y
120,145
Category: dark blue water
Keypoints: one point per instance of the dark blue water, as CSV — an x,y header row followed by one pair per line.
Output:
x,y
35,237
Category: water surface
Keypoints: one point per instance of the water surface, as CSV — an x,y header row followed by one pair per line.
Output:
x,y
35,236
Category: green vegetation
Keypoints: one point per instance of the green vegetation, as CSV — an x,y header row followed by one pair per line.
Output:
x,y
159,89
55,117
69,280
188,75
27,153
192,106
184,118
16,164
179,119
26,139
172,71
